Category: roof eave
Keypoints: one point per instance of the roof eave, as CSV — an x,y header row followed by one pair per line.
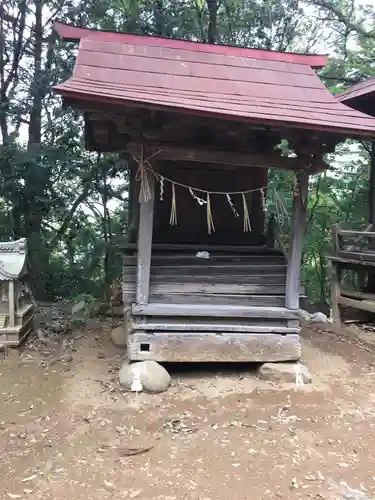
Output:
x,y
345,133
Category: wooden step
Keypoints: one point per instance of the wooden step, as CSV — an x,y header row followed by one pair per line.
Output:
x,y
183,260
193,327
217,299
198,247
209,289
212,269
210,311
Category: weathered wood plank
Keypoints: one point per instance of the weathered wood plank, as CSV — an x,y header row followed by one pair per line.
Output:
x,y
146,219
200,263
352,265
223,299
193,288
214,269
363,234
226,299
212,321
357,295
190,247
168,152
296,241
358,256
191,327
202,280
364,305
213,311
174,347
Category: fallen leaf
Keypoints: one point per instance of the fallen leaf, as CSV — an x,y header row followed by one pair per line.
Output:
x,y
128,452
30,478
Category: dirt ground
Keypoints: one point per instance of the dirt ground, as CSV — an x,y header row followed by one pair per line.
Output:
x,y
67,431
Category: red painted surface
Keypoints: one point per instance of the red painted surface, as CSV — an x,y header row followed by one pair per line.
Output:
x,y
72,33
360,90
161,75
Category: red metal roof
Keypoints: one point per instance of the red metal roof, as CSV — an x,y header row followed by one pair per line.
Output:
x,y
362,89
260,86
74,34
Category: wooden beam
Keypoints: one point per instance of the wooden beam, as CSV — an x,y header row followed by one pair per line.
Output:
x,y
363,305
205,347
188,248
170,153
353,294
146,220
360,234
208,310
296,240
189,328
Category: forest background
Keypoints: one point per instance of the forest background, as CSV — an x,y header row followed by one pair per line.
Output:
x,y
71,205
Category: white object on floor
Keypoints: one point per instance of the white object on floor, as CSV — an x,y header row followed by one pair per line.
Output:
x,y
299,378
136,383
203,255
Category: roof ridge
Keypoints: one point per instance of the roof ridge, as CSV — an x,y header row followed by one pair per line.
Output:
x,y
74,33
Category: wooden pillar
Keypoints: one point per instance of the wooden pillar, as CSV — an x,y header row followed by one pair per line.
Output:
x,y
12,305
133,208
297,236
146,221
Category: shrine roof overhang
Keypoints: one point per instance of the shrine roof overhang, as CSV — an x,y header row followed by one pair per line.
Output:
x,y
360,96
246,85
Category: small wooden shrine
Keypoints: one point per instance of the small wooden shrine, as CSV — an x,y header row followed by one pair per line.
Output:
x,y
200,126
16,303
353,258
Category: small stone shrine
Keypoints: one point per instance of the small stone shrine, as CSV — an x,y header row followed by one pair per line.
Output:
x,y
16,301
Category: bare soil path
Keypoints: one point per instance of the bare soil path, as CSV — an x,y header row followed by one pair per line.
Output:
x,y
67,431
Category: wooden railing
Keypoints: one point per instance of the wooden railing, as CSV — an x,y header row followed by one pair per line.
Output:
x,y
277,237
353,270
354,245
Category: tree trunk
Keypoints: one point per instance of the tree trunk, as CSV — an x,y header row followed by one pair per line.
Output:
x,y
159,17
212,22
35,125
33,217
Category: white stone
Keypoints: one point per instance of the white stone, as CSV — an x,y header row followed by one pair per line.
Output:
x,y
153,377
319,318
119,336
284,372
